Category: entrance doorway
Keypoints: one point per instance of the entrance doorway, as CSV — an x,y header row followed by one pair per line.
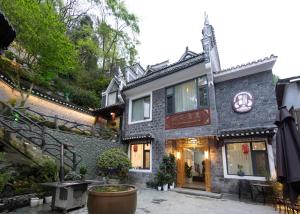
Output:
x,y
194,168
193,162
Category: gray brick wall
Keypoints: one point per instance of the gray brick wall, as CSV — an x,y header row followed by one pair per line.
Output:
x,y
156,127
263,114
264,111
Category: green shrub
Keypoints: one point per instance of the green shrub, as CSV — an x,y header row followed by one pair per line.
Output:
x,y
48,171
83,170
114,163
84,97
72,176
4,175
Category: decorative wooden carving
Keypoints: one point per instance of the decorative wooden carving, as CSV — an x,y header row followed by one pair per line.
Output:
x,y
199,117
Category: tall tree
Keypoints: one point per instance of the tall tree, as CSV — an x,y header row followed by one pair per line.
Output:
x,y
42,45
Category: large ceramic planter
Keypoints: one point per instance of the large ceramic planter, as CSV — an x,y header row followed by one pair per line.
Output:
x,y
121,202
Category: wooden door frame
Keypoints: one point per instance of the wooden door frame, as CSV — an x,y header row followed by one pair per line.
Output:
x,y
180,163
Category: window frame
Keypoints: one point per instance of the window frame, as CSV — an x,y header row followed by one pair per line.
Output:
x,y
116,98
246,177
131,99
197,94
129,156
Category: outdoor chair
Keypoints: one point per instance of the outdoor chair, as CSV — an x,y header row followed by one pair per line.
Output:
x,y
294,209
279,203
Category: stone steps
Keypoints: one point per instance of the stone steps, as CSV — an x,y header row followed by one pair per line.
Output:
x,y
198,193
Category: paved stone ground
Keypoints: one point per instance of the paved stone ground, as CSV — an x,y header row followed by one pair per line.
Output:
x,y
152,201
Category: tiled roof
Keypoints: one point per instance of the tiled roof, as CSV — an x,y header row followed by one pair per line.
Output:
x,y
247,132
166,71
249,64
138,137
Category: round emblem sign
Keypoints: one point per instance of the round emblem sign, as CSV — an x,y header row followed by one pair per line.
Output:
x,y
242,102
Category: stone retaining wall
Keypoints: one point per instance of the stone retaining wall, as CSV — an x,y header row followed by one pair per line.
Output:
x,y
11,203
89,148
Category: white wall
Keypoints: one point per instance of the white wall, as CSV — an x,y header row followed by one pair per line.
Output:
x,y
46,107
291,95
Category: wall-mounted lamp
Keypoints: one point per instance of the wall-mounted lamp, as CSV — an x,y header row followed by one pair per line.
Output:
x,y
178,155
206,155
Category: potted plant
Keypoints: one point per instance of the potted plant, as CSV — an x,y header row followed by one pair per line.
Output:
x,y
72,176
34,202
188,173
240,171
82,172
121,199
114,164
172,171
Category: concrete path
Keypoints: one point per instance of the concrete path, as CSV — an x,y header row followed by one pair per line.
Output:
x,y
152,201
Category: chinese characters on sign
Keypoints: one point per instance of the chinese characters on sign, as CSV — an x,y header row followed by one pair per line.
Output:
x,y
242,102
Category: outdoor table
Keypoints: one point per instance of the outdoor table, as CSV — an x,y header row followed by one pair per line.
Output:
x,y
261,189
68,194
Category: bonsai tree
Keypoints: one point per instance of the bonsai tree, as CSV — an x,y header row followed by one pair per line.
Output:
x,y
114,163
188,170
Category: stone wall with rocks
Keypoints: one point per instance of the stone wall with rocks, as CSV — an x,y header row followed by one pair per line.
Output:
x,y
11,203
89,148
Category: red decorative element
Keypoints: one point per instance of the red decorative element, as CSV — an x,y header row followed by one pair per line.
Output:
x,y
245,148
135,148
199,117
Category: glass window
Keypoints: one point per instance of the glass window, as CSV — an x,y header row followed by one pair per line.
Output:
x,y
247,158
112,98
140,156
203,91
187,96
141,109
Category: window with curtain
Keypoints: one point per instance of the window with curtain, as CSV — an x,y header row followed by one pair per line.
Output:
x,y
140,156
140,109
187,96
112,98
247,158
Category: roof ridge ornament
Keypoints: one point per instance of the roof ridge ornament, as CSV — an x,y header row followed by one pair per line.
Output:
x,y
206,22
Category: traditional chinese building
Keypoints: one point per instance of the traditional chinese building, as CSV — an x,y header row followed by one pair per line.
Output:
x,y
217,121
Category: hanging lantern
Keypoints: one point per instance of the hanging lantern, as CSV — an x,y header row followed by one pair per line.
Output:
x,y
135,148
245,148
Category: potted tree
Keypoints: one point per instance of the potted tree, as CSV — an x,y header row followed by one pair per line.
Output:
x,y
172,171
188,173
113,198
114,165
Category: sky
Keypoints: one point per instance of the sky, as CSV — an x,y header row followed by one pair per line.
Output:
x,y
245,30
